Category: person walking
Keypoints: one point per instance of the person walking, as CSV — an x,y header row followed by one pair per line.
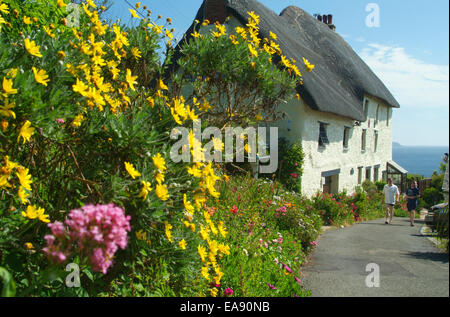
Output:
x,y
412,195
391,195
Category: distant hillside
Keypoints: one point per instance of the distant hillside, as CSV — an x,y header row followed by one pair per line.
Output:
x,y
396,144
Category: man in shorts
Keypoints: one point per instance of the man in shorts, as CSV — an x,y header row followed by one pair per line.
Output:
x,y
412,194
391,194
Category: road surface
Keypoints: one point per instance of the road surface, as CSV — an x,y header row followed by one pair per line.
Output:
x,y
409,264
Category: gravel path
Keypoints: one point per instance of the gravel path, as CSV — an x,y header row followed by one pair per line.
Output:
x,y
409,263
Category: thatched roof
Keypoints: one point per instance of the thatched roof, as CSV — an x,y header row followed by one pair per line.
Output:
x,y
340,79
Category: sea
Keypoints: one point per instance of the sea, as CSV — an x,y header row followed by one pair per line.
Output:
x,y
422,160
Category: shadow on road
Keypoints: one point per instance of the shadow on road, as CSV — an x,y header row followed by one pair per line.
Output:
x,y
432,256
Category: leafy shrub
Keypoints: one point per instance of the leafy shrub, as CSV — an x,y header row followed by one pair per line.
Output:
x,y
432,196
291,158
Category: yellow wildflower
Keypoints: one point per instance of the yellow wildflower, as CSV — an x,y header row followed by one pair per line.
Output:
x,y
146,188
202,252
40,76
32,48
4,8
27,20
136,53
159,163
159,177
7,86
162,192
205,273
131,170
26,131
29,246
253,51
31,212
4,125
222,230
61,3
214,291
131,80
162,85
168,227
182,244
6,110
308,65
188,205
23,195
24,178
77,121
134,14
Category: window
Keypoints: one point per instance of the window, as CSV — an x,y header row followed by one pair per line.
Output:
x,y
366,108
368,172
375,148
323,138
360,175
376,116
346,137
363,140
376,172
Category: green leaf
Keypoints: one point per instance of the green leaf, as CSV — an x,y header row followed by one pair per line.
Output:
x,y
9,286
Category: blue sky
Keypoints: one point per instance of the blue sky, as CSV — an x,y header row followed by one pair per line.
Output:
x,y
409,51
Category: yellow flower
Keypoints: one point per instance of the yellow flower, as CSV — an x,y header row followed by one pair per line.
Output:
x,y
146,188
162,192
24,178
23,195
159,177
195,34
188,205
168,227
61,54
138,5
204,273
131,170
26,131
162,85
136,53
29,246
4,125
202,252
253,51
61,3
6,110
222,230
131,80
27,20
12,72
91,3
77,121
40,76
32,212
182,244
159,163
32,48
214,291
134,14
151,101
308,65
272,35
141,235
254,16
7,86
4,8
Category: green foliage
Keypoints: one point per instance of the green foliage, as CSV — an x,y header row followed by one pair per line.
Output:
x,y
290,165
432,196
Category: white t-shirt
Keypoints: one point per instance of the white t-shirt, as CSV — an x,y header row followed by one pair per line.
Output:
x,y
389,193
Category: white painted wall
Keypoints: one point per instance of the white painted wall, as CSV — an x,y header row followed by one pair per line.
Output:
x,y
305,128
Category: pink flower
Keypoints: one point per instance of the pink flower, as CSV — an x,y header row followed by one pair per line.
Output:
x,y
313,242
287,268
271,286
60,120
97,231
297,279
228,292
294,175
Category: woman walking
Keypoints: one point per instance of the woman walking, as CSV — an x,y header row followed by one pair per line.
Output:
x,y
412,194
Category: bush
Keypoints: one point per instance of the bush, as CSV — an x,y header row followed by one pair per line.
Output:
x,y
290,165
432,196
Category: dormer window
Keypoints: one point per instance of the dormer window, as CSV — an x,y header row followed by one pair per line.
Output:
x,y
323,137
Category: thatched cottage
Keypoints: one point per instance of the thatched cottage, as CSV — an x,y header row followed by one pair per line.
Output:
x,y
344,116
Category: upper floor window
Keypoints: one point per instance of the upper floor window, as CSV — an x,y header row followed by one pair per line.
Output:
x,y
375,148
363,139
346,137
366,109
323,137
388,116
377,116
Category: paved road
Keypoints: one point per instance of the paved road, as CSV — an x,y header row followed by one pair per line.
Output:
x,y
409,263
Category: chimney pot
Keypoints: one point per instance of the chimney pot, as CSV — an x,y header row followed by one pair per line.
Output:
x,y
319,17
325,19
330,19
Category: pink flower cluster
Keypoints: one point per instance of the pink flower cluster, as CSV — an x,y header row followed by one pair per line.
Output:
x,y
282,210
97,231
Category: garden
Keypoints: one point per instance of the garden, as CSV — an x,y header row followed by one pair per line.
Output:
x,y
91,203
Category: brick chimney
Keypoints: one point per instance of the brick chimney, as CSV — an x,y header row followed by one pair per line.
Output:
x,y
327,19
215,11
